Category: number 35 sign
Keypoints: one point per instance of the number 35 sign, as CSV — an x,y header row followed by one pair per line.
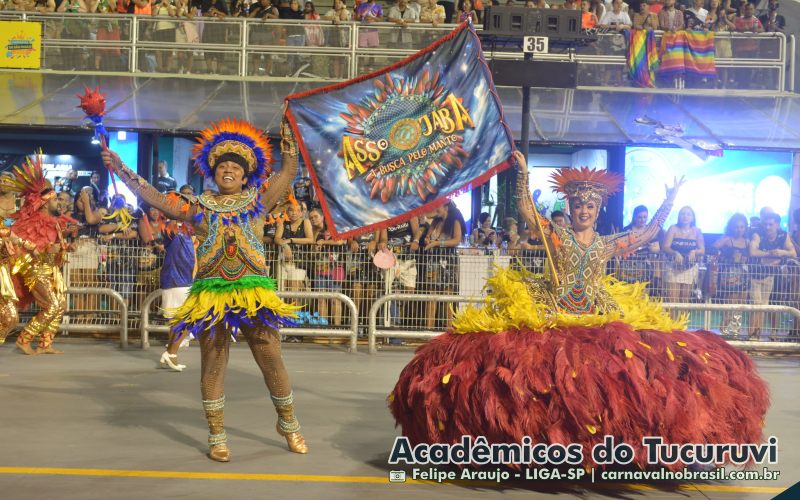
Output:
x,y
535,45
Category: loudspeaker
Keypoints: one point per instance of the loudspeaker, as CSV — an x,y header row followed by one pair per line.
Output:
x,y
520,21
546,74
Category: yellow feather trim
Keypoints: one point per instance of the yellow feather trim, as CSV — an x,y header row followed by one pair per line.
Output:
x,y
197,305
510,305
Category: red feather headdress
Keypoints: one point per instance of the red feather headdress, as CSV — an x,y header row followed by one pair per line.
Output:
x,y
586,183
30,222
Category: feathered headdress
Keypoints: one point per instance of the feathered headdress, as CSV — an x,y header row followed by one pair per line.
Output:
x,y
29,181
586,183
31,222
237,141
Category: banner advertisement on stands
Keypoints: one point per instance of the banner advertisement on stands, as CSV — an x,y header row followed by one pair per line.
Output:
x,y
21,44
401,141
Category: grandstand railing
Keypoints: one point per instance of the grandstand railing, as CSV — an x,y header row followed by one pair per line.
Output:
x,y
248,49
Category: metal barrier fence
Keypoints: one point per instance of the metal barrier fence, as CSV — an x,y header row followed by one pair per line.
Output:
x,y
339,285
317,50
67,325
351,332
374,332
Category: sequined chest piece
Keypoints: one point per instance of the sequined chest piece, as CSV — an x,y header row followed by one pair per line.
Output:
x,y
582,268
232,249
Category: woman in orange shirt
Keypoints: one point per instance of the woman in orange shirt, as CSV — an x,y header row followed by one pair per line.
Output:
x,y
588,18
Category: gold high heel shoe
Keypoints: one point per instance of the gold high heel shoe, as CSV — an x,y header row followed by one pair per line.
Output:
x,y
295,440
219,453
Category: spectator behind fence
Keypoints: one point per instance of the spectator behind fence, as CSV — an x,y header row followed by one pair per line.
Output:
x,y
598,8
771,20
338,37
367,13
64,202
509,238
327,266
186,190
733,284
164,32
697,11
445,233
68,183
484,235
164,182
315,37
670,18
466,12
449,9
616,19
720,22
402,15
363,279
293,235
187,32
639,267
559,218
403,240
768,245
684,243
746,47
85,260
120,236
431,12
212,32
644,19
589,19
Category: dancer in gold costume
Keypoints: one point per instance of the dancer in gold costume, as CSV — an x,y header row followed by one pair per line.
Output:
x,y
38,227
8,297
232,292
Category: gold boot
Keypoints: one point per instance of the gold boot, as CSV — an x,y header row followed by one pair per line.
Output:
x,y
217,437
26,337
287,425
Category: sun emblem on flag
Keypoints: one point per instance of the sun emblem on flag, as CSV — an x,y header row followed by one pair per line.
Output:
x,y
403,139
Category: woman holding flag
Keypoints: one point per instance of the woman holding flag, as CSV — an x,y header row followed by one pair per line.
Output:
x,y
574,355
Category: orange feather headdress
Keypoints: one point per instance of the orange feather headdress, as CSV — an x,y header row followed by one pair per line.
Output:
x,y
237,141
586,183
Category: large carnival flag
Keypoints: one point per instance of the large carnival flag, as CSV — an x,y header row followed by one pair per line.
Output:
x,y
386,146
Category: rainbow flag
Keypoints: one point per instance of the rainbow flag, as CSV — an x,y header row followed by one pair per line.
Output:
x,y
687,53
642,59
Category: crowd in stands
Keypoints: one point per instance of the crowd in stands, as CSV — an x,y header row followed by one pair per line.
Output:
x,y
185,22
668,15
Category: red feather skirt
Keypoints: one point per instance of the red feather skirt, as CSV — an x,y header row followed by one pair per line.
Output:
x,y
579,384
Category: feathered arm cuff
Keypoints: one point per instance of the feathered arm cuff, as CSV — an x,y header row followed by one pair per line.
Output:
x,y
280,184
629,241
173,206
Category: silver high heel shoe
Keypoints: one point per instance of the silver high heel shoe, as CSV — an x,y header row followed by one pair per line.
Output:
x,y
169,361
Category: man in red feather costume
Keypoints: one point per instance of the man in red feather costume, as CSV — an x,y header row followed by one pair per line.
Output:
x,y
39,227
575,355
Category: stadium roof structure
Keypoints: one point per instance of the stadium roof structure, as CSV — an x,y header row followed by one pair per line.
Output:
x,y
558,116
